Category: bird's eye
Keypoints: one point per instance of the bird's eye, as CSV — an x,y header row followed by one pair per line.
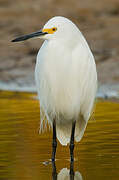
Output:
x,y
54,29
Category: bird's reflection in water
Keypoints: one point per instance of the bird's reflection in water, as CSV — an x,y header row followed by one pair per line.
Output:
x,y
65,174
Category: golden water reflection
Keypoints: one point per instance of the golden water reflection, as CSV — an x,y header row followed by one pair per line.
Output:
x,y
24,154
66,174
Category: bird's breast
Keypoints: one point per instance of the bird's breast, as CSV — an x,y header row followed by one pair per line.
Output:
x,y
56,80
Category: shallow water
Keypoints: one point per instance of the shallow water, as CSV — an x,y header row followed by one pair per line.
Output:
x,y
24,154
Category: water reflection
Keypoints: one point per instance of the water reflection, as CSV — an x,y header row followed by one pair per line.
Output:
x,y
23,150
65,174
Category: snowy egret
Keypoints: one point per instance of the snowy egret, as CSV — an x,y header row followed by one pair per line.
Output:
x,y
66,80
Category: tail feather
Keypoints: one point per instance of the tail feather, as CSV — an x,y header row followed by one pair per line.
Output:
x,y
64,132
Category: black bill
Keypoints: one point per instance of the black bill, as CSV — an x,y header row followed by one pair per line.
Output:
x,y
28,36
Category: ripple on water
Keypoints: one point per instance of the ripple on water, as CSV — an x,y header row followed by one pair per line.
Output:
x,y
24,154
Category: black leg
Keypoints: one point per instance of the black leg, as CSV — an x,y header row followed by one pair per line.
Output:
x,y
71,170
54,171
54,143
72,142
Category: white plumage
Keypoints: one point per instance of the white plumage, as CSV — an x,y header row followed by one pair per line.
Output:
x,y
66,79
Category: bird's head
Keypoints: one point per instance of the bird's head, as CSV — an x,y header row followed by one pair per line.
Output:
x,y
56,27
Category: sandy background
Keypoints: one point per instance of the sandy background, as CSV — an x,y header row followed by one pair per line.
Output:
x,y
97,19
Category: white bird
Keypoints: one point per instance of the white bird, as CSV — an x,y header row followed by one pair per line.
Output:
x,y
66,80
